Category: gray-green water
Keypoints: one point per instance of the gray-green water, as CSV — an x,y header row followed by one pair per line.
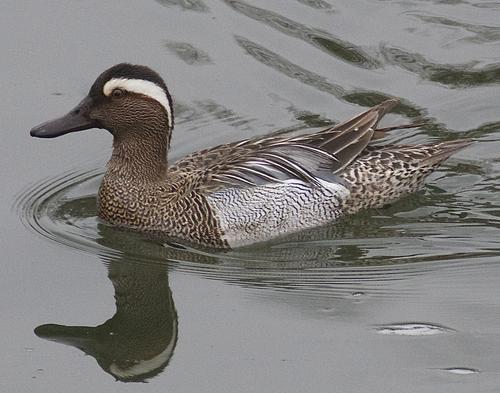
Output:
x,y
401,299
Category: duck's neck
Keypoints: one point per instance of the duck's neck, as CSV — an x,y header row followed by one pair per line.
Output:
x,y
140,157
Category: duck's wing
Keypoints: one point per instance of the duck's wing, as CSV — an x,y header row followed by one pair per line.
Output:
x,y
311,158
340,140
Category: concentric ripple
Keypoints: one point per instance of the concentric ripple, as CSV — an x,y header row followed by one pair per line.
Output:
x,y
439,228
39,210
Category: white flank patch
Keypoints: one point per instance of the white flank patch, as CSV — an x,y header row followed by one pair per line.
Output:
x,y
255,214
141,86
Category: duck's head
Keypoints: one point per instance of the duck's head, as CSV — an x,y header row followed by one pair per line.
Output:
x,y
124,99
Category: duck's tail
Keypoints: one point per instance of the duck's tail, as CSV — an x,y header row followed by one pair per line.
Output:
x,y
383,175
442,151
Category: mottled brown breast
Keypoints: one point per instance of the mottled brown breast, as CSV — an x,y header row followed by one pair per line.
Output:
x,y
168,208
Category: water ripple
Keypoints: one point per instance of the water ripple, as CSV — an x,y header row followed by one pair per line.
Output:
x,y
319,4
364,253
188,5
451,75
412,329
188,53
482,33
461,370
358,96
322,40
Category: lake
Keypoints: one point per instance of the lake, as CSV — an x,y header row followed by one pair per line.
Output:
x,y
399,299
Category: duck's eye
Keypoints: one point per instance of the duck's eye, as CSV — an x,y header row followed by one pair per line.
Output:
x,y
117,93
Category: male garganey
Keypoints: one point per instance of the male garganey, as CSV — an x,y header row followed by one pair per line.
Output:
x,y
241,192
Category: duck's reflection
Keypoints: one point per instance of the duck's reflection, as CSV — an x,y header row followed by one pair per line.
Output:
x,y
138,342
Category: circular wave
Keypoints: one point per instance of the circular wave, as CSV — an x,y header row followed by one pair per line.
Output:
x,y
361,254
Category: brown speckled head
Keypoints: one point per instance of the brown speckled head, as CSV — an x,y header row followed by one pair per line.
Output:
x,y
129,98
124,99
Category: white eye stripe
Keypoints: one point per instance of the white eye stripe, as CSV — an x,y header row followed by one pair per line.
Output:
x,y
141,86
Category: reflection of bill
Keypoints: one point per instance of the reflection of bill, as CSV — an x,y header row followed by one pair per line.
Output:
x,y
139,340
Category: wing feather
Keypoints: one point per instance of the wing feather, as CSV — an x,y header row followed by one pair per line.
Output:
x,y
311,158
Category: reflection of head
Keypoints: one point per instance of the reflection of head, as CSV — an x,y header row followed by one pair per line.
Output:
x,y
139,340
140,370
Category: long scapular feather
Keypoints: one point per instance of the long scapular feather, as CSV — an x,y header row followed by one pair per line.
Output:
x,y
311,158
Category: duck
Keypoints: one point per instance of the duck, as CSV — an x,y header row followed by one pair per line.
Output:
x,y
244,192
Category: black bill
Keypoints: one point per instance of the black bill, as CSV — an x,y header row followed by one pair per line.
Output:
x,y
77,119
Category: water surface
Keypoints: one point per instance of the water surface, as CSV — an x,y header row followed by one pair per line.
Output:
x,y
403,299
